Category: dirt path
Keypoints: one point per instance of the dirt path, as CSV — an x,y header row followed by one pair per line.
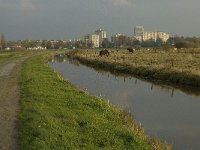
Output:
x,y
9,103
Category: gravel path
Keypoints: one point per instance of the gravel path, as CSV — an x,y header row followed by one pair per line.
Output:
x,y
9,103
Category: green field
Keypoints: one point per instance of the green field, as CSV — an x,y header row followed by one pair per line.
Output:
x,y
56,115
168,67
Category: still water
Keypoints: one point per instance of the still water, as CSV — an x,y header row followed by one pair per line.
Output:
x,y
164,112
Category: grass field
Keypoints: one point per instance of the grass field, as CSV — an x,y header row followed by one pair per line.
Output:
x,y
56,115
168,67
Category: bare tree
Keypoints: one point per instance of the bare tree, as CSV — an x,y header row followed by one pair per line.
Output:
x,y
3,41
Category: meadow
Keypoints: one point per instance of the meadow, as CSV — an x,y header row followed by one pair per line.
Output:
x,y
56,115
173,67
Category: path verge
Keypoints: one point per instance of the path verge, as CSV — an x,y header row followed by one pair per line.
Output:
x,y
9,103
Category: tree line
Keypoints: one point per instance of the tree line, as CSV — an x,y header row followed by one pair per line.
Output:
x,y
187,42
121,42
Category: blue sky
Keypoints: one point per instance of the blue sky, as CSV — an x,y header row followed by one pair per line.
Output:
x,y
69,19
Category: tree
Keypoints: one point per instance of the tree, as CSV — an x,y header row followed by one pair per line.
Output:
x,y
90,44
182,44
122,41
49,45
167,46
159,42
79,44
28,44
148,43
3,41
105,43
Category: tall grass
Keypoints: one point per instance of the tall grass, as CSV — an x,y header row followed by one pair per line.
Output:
x,y
169,67
56,115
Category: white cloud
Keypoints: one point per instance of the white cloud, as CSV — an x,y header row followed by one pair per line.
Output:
x,y
122,2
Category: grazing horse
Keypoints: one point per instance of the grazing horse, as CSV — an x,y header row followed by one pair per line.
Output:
x,y
104,52
131,50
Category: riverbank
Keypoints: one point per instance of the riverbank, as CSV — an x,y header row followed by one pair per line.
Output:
x,y
168,67
56,115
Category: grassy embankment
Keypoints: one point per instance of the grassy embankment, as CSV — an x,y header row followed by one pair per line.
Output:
x,y
6,56
169,67
56,115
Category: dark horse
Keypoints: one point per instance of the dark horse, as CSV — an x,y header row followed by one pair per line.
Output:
x,y
131,50
104,52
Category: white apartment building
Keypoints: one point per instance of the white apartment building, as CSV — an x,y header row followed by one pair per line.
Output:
x,y
163,36
141,35
92,38
149,36
155,36
102,35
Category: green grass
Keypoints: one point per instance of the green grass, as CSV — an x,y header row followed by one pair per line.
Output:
x,y
169,67
7,56
56,115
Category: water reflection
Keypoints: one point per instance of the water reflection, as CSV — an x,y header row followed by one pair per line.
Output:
x,y
164,111
61,58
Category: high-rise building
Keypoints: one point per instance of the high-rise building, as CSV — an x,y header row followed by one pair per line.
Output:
x,y
115,37
86,40
138,32
102,35
94,39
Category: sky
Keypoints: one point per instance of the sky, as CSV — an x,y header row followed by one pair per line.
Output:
x,y
72,19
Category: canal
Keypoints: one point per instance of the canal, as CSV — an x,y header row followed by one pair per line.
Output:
x,y
165,112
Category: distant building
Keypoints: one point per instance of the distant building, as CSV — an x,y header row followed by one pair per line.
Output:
x,y
155,36
91,40
141,35
7,48
138,31
18,47
86,40
94,38
163,36
149,36
37,48
102,35
115,40
115,37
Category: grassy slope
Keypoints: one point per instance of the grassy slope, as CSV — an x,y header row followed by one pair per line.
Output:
x,y
56,115
171,67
